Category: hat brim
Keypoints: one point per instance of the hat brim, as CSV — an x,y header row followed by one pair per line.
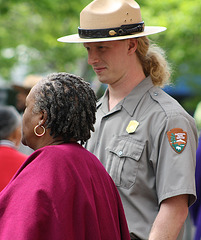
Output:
x,y
20,88
74,38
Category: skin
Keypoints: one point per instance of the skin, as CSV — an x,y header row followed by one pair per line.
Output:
x,y
116,64
170,219
30,120
112,62
15,136
20,100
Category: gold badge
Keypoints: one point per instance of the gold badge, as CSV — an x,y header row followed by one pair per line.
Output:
x,y
177,139
132,126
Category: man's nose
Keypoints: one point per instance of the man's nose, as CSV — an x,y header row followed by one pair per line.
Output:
x,y
93,57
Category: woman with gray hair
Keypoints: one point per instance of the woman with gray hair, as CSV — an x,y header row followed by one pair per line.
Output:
x,y
10,137
62,191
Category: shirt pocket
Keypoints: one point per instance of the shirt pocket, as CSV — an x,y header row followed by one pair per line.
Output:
x,y
123,159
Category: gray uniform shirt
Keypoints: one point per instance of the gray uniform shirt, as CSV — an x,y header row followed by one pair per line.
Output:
x,y
149,162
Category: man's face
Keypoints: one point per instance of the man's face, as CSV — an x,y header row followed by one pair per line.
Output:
x,y
108,59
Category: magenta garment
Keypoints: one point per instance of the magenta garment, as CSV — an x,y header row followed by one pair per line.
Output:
x,y
62,192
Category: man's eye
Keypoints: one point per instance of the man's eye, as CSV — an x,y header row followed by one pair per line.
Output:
x,y
86,47
102,48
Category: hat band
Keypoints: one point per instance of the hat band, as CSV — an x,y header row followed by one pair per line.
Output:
x,y
111,32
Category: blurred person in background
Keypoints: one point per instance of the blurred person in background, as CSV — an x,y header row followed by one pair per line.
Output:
x,y
197,116
195,210
10,137
62,191
22,90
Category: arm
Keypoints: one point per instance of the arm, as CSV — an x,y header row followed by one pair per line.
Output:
x,y
170,219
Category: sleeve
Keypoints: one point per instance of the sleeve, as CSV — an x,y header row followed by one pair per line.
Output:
x,y
175,158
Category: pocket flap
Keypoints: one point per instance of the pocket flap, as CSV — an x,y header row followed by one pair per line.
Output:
x,y
126,147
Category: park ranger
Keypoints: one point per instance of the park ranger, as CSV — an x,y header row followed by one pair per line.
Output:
x,y
144,138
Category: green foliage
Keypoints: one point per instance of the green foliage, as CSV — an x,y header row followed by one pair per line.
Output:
x,y
182,40
29,29
29,32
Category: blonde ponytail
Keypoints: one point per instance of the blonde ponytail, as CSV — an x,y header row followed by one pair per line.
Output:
x,y
153,61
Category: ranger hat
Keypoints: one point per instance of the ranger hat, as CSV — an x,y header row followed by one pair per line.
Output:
x,y
108,20
28,83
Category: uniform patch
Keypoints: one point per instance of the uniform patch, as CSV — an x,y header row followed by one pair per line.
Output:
x,y
177,139
133,124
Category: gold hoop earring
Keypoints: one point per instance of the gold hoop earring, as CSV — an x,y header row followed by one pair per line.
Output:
x,y
37,134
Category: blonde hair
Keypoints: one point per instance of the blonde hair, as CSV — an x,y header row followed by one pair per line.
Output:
x,y
153,61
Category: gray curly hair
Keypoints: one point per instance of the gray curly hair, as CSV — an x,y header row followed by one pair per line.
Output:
x,y
70,104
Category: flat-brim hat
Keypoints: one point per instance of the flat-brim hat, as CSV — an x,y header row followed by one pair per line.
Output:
x,y
109,20
28,83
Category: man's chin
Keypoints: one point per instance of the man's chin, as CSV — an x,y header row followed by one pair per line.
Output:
x,y
101,79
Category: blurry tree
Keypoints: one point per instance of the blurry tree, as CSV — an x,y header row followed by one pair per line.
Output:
x,y
182,40
29,29
29,32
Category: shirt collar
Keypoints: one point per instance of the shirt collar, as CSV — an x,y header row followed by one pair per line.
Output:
x,y
131,101
7,143
103,102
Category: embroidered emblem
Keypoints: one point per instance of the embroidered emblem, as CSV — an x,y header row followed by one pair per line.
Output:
x,y
132,126
177,139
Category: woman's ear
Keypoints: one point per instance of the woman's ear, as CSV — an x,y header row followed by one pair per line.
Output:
x,y
132,45
43,118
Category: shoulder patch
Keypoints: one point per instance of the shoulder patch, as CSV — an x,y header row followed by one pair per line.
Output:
x,y
177,139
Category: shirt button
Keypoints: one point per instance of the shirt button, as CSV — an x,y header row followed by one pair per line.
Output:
x,y
120,153
155,94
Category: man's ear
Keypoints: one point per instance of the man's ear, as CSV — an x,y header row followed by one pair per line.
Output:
x,y
132,45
